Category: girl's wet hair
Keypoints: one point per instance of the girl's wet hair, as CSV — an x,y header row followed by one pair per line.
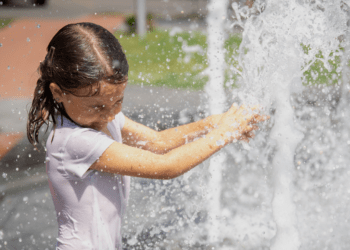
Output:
x,y
79,55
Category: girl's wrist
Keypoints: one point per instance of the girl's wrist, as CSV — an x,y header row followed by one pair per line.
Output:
x,y
214,121
228,134
220,137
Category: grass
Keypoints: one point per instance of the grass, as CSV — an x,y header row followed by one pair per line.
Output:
x,y
231,46
318,73
5,21
159,60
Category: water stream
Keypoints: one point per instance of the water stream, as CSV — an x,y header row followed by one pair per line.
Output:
x,y
217,101
289,189
279,45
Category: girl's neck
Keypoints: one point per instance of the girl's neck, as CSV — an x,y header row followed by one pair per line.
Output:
x,y
106,131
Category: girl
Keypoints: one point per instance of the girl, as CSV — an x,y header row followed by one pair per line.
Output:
x,y
93,148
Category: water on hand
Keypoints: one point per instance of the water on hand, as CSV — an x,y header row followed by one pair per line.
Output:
x,y
289,191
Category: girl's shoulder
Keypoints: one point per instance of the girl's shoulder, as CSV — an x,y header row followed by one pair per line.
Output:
x,y
77,148
70,135
64,129
67,134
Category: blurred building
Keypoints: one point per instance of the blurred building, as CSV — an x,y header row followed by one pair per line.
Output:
x,y
164,9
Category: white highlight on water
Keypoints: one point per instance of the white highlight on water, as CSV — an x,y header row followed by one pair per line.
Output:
x,y
215,90
273,61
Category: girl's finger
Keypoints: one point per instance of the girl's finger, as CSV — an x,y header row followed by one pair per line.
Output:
x,y
251,108
254,127
259,118
247,129
250,134
244,138
234,105
263,118
233,108
256,107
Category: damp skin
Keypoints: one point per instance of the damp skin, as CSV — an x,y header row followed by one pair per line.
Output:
x,y
92,110
147,153
170,153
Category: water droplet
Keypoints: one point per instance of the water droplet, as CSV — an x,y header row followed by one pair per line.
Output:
x,y
28,40
0,45
220,142
4,175
38,26
8,67
116,63
29,155
17,169
114,188
25,198
246,238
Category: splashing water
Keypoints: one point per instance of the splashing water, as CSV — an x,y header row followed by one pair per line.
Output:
x,y
280,33
273,59
232,207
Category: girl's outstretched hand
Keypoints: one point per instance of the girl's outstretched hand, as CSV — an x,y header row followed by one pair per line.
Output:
x,y
240,122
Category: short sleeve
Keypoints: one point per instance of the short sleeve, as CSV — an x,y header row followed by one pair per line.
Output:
x,y
83,148
121,119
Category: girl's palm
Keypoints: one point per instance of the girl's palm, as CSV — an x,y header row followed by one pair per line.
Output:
x,y
240,121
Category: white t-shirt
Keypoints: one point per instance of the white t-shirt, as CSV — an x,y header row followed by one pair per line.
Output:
x,y
89,203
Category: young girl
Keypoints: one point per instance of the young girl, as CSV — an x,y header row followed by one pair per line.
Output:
x,y
93,148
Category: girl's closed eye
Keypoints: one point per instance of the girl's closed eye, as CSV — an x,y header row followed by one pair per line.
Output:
x,y
98,107
120,101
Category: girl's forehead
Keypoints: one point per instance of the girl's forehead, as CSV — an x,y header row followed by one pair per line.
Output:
x,y
105,92
112,90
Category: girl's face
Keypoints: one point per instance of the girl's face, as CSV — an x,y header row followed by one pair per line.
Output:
x,y
93,111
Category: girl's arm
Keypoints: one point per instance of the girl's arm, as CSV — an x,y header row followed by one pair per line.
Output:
x,y
126,160
140,136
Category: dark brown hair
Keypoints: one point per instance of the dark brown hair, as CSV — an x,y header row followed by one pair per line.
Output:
x,y
79,55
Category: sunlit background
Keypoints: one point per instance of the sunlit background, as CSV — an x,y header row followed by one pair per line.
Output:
x,y
290,56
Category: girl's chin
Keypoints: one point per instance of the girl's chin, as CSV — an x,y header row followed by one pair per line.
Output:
x,y
96,125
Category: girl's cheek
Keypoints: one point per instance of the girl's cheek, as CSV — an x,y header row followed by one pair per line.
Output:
x,y
118,109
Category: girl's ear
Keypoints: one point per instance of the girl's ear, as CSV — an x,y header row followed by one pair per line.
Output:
x,y
56,92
